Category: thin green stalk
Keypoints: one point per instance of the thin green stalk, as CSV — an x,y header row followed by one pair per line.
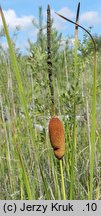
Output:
x,y
45,184
54,176
22,194
8,155
26,179
62,181
72,176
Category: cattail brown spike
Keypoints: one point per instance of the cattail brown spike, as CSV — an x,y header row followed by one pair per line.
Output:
x,y
77,21
57,137
49,61
77,15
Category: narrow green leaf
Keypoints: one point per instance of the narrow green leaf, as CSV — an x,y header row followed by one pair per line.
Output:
x,y
26,180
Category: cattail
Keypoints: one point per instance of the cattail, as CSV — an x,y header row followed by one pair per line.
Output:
x,y
56,130
57,137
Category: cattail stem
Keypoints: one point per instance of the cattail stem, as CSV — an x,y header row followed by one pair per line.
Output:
x,y
49,62
62,181
72,177
74,144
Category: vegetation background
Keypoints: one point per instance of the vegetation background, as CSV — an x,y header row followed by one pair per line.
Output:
x,y
28,168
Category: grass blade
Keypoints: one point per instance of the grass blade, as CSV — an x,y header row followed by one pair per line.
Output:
x,y
26,180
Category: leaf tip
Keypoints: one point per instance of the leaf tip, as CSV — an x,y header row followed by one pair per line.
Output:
x,y
79,4
1,9
57,13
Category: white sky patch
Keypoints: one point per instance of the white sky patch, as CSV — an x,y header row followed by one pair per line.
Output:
x,y
13,20
32,33
66,12
59,23
70,42
23,46
91,17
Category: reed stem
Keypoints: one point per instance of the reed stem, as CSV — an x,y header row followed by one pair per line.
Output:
x,y
62,181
